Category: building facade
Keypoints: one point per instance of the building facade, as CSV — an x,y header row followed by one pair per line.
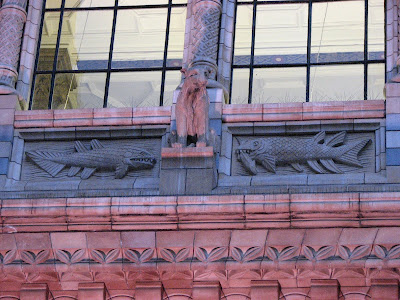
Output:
x,y
293,194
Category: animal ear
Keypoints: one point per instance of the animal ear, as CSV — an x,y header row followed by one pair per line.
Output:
x,y
183,71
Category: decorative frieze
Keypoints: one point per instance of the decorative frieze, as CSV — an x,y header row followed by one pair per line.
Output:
x,y
12,19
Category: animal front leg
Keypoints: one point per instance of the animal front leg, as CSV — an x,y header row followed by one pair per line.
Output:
x,y
201,120
181,127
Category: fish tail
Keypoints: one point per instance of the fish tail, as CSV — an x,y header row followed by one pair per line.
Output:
x,y
44,160
350,155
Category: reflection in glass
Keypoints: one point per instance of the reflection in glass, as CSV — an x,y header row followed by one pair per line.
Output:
x,y
376,81
281,34
134,89
176,37
172,80
88,3
337,83
52,4
140,38
86,36
243,34
143,2
48,42
376,30
82,90
279,85
41,92
240,86
337,31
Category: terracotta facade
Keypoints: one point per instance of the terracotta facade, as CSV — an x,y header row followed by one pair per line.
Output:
x,y
196,226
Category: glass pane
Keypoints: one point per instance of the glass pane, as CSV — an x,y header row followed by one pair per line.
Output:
x,y
49,41
376,81
134,89
281,34
179,1
240,86
176,37
140,38
42,92
53,3
141,2
279,85
337,83
244,21
172,80
79,90
376,29
85,40
89,3
337,31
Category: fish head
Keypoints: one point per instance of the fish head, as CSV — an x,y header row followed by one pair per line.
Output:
x,y
139,159
247,153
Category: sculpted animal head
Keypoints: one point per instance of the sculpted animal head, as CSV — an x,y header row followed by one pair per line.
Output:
x,y
195,78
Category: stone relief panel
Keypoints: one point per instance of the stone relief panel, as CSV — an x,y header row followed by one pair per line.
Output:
x,y
322,153
103,159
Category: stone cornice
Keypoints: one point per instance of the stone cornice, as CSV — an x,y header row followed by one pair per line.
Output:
x,y
201,212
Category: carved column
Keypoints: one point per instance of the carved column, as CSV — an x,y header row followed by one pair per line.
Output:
x,y
206,16
12,20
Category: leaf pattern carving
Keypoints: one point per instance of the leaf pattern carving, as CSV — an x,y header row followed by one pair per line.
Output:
x,y
381,252
359,252
137,257
171,256
323,253
105,258
8,257
286,254
67,258
32,259
251,254
215,254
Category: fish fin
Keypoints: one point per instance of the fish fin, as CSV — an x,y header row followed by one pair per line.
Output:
x,y
331,166
80,147
350,157
121,171
315,166
319,137
336,139
248,163
73,171
297,167
87,172
95,144
43,160
268,162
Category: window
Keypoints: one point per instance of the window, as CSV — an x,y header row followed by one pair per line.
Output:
x,y
312,50
108,53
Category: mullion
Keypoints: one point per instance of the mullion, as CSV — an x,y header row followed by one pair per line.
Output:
x,y
309,31
165,53
110,54
253,38
37,57
233,53
366,50
53,75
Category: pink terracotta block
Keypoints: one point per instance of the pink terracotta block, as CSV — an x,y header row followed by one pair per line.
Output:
x,y
364,114
85,226
103,240
88,207
34,291
26,115
92,291
187,152
6,116
7,242
274,117
148,290
388,236
151,120
8,101
33,241
101,113
73,122
322,237
68,240
270,204
138,239
324,289
357,236
242,118
175,239
392,90
285,237
34,207
241,109
206,291
323,115
282,108
387,289
33,124
207,238
125,207
323,106
49,227
83,113
364,105
265,289
393,105
112,121
162,111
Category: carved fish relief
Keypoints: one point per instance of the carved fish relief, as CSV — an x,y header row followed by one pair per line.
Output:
x,y
118,158
319,153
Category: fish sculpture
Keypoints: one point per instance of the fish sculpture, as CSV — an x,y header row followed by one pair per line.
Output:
x,y
118,158
319,153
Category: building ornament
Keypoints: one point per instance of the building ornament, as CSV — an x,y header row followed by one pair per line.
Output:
x,y
12,20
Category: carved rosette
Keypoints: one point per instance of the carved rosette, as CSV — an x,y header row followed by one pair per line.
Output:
x,y
204,41
12,20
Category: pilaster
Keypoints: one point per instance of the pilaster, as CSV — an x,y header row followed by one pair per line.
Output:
x,y
31,291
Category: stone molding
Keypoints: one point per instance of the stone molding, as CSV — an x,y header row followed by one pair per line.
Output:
x,y
353,256
201,212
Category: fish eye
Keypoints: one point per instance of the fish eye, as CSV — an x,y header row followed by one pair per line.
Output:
x,y
255,143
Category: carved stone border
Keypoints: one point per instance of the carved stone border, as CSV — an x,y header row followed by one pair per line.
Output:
x,y
306,127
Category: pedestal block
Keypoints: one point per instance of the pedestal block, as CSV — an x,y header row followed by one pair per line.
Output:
x,y
92,291
187,171
206,291
387,289
32,291
265,289
324,289
148,290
